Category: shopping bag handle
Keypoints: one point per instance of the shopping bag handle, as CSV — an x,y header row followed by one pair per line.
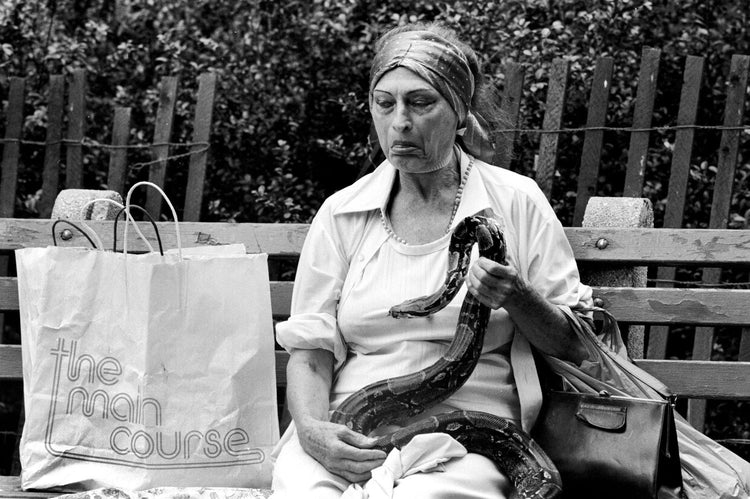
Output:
x,y
130,220
79,229
150,219
99,244
610,326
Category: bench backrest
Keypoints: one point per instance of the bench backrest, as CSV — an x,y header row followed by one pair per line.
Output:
x,y
607,248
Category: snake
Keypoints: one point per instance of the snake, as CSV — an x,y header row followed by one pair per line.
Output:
x,y
394,400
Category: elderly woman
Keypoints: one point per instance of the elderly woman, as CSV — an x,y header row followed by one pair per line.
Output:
x,y
384,240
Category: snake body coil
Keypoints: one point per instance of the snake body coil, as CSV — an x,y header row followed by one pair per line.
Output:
x,y
394,400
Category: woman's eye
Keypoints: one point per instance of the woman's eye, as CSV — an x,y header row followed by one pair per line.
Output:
x,y
421,102
385,104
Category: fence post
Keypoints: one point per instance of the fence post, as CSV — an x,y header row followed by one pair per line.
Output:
x,y
162,134
734,110
510,106
9,166
553,111
644,109
201,133
678,178
118,158
76,130
592,142
12,146
51,173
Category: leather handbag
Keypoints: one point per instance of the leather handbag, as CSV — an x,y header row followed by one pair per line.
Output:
x,y
611,446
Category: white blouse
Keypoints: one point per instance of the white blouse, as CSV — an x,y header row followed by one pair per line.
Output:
x,y
351,272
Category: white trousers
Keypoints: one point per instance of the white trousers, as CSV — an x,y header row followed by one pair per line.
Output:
x,y
297,475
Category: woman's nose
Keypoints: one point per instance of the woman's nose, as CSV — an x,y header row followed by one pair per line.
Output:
x,y
402,119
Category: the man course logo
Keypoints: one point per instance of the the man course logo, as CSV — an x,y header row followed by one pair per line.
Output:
x,y
85,386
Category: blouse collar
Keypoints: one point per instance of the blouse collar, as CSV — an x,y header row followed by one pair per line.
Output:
x,y
372,191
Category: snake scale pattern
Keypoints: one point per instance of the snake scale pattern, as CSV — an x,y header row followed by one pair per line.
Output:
x,y
394,400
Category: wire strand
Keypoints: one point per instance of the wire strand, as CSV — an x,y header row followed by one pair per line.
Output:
x,y
199,147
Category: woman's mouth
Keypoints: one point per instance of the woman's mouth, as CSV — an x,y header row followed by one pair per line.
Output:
x,y
405,147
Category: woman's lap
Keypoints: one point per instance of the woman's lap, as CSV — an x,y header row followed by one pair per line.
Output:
x,y
296,474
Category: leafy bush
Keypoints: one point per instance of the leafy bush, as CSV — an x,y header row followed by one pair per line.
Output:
x,y
295,72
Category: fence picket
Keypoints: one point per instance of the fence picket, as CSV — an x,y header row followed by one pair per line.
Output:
x,y
118,158
51,173
76,130
12,148
678,178
734,111
744,354
555,105
592,142
644,109
510,106
201,133
162,133
9,166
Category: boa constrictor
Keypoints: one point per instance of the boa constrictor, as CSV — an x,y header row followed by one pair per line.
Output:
x,y
393,400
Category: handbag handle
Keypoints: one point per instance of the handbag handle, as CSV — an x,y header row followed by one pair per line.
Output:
x,y
131,221
150,219
100,245
79,229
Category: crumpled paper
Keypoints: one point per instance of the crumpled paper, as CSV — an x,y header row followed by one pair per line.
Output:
x,y
424,454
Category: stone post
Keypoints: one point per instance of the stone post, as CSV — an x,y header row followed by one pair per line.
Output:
x,y
70,202
620,212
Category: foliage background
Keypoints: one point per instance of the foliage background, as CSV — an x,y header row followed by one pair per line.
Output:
x,y
291,121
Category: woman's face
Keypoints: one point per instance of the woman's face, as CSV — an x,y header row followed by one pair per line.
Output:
x,y
415,124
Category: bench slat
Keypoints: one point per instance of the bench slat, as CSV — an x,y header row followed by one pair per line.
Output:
x,y
660,246
701,378
274,239
705,307
704,247
688,378
281,295
11,364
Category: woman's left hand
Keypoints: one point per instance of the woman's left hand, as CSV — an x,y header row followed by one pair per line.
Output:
x,y
492,283
544,325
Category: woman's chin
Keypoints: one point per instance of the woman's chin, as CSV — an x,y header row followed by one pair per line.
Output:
x,y
409,163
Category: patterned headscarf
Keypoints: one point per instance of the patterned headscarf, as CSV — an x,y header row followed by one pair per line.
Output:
x,y
444,66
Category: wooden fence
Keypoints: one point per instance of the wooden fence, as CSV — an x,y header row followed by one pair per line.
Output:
x,y
74,114
595,127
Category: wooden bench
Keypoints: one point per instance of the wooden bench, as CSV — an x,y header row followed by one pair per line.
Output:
x,y
693,313
595,248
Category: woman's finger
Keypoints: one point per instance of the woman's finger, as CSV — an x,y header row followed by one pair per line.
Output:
x,y
491,296
357,439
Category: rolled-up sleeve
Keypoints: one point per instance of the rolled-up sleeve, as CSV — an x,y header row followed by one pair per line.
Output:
x,y
550,264
317,287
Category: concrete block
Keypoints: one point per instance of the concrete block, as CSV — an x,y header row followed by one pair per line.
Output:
x,y
620,212
70,202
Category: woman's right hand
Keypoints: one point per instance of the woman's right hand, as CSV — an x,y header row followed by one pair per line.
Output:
x,y
340,450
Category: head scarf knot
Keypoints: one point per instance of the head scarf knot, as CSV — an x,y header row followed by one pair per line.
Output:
x,y
444,66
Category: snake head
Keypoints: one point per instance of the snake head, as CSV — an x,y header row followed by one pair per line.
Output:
x,y
490,239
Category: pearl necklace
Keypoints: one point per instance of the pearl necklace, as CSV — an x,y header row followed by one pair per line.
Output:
x,y
456,203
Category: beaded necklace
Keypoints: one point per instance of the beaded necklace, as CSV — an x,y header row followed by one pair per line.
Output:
x,y
456,203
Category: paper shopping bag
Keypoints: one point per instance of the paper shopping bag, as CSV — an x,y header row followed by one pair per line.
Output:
x,y
146,370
